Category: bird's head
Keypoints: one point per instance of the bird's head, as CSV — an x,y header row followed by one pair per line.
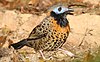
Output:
x,y
59,13
62,9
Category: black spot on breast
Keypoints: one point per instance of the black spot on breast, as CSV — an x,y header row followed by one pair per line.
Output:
x,y
48,24
48,36
64,39
40,29
48,43
64,34
56,46
44,31
53,40
61,35
60,39
59,43
49,30
56,40
42,26
54,32
56,36
52,37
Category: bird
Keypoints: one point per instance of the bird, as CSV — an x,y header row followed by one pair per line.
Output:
x,y
50,34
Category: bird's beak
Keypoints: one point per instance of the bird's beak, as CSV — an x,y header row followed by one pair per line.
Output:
x,y
69,11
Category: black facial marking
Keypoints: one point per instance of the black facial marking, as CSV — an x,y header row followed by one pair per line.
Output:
x,y
60,18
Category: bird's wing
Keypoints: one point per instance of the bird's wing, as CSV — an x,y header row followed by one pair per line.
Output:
x,y
37,37
39,31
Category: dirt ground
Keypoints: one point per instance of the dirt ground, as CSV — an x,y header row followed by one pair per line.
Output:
x,y
84,35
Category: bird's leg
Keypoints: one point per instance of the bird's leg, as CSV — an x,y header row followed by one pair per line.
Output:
x,y
67,52
40,51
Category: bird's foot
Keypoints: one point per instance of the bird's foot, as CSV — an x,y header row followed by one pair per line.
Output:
x,y
48,58
67,52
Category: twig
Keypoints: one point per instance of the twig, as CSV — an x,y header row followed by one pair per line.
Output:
x,y
83,37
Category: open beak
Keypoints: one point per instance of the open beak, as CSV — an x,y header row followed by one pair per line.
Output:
x,y
70,11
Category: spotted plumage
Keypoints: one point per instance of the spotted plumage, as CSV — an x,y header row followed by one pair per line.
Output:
x,y
54,35
50,34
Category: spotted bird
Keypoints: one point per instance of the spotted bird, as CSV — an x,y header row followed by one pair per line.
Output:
x,y
50,34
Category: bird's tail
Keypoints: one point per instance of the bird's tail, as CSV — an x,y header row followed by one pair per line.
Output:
x,y
19,44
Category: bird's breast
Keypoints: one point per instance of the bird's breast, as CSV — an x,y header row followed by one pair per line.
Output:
x,y
58,28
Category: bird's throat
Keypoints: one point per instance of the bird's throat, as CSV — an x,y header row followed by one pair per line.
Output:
x,y
63,22
60,18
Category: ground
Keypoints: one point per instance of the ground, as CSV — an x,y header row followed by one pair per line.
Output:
x,y
83,40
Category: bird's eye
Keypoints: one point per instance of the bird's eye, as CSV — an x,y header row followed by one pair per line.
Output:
x,y
59,9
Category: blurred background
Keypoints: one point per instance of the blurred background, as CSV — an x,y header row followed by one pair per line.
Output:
x,y
19,17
